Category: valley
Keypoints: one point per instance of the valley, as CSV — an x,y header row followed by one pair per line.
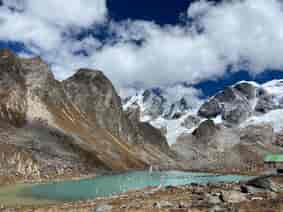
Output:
x,y
80,128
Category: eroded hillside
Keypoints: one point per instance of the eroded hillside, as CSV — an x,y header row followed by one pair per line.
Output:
x,y
70,128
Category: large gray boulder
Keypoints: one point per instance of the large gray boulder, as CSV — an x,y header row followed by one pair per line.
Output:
x,y
263,183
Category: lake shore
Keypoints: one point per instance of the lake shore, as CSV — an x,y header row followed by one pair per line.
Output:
x,y
195,197
12,180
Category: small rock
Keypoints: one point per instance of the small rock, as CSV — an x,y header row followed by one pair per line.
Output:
x,y
165,204
182,205
103,208
123,206
217,208
257,198
156,205
273,195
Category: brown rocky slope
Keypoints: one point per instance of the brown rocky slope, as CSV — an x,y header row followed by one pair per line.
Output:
x,y
69,128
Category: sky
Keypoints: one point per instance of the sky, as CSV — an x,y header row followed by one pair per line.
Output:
x,y
205,45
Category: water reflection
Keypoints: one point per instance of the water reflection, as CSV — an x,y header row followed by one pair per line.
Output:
x,y
104,186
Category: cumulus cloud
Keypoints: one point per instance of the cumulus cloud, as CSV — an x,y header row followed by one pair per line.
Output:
x,y
248,31
166,55
61,12
71,12
242,34
41,25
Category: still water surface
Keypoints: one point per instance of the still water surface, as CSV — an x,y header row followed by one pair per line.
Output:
x,y
104,186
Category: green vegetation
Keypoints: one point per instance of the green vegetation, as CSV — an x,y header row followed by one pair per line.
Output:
x,y
274,158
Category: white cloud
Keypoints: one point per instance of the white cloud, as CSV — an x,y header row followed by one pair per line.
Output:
x,y
64,13
81,13
40,25
176,92
168,54
244,30
25,28
244,33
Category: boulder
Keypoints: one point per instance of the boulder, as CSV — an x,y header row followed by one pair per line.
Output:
x,y
263,183
233,196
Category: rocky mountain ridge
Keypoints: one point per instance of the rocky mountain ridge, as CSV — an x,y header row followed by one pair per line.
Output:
x,y
238,105
233,130
73,127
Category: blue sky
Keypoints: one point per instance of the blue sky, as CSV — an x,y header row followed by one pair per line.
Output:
x,y
151,43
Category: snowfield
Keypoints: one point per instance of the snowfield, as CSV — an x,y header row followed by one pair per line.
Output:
x,y
167,111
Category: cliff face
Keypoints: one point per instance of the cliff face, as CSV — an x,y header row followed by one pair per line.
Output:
x,y
72,127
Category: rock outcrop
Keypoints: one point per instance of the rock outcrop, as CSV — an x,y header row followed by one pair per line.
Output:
x,y
72,127
216,147
235,104
232,104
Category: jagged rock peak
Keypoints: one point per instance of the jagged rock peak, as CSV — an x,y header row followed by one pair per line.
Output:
x,y
87,74
4,53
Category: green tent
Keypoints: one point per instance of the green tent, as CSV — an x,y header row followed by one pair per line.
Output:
x,y
274,158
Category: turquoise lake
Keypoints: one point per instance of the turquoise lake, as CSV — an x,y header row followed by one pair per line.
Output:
x,y
104,186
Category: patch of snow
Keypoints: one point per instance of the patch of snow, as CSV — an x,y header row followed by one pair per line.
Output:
x,y
275,88
174,127
274,118
172,96
249,82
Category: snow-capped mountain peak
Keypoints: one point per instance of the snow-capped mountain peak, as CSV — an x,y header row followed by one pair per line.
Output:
x,y
179,109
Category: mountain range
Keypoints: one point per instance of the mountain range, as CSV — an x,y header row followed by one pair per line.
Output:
x,y
80,126
232,130
239,105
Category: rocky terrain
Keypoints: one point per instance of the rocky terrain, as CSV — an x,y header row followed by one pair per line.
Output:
x,y
77,127
80,127
260,195
231,131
